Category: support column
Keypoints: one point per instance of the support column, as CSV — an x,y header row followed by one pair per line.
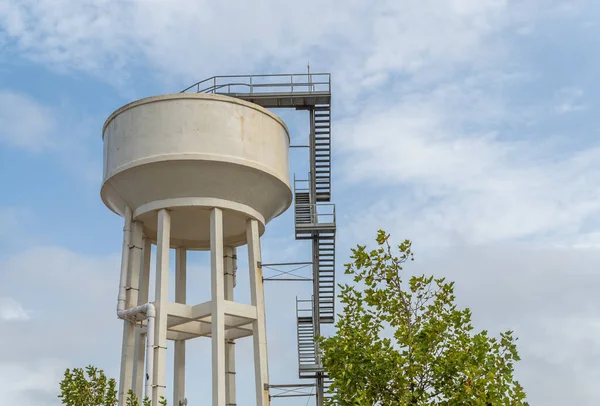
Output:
x,y
131,298
259,330
217,307
140,339
230,269
161,298
180,297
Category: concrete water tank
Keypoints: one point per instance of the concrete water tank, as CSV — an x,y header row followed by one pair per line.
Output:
x,y
190,153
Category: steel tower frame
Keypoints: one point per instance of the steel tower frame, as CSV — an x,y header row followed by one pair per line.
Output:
x,y
314,215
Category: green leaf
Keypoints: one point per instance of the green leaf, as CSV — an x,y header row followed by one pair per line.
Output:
x,y
402,340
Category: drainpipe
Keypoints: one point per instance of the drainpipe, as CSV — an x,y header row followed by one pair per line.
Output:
x,y
124,260
139,313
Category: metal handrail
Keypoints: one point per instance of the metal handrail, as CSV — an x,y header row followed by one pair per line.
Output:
x,y
318,216
302,308
308,85
304,185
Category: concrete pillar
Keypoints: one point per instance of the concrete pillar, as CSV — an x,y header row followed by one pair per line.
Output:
x,y
180,297
259,330
161,298
131,298
217,307
140,339
230,269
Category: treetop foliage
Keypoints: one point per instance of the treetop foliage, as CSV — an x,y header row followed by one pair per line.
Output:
x,y
401,340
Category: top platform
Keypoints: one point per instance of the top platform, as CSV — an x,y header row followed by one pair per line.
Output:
x,y
271,91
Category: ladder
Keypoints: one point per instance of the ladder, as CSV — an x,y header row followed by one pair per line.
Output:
x,y
326,277
326,384
308,363
321,121
302,208
316,222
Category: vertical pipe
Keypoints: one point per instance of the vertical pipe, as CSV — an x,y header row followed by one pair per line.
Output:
x,y
131,300
161,297
140,345
217,307
128,329
180,297
230,269
259,330
151,315
124,260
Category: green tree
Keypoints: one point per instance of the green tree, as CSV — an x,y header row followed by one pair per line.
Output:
x,y
91,387
403,341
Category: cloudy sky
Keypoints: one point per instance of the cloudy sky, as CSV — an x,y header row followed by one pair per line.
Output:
x,y
465,125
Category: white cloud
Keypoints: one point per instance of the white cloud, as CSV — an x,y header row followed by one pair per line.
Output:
x,y
567,100
459,174
72,297
11,310
24,122
65,292
35,127
192,39
32,383
438,142
547,296
13,221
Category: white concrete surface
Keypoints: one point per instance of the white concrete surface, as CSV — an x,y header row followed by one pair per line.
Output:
x,y
161,299
197,146
143,293
230,271
257,299
217,307
192,171
131,300
179,356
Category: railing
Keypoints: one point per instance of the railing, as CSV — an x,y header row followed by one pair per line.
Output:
x,y
304,307
265,84
320,213
301,185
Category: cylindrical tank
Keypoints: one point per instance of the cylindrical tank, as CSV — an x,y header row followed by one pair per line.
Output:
x,y
191,152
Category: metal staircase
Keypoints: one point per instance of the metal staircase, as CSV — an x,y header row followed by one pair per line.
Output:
x,y
326,279
304,210
326,385
321,123
314,216
317,223
308,364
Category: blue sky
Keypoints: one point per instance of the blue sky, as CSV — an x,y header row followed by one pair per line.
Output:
x,y
468,126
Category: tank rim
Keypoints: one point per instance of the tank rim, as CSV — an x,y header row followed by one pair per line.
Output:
x,y
200,96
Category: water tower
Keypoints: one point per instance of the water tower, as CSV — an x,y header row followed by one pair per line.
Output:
x,y
207,169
